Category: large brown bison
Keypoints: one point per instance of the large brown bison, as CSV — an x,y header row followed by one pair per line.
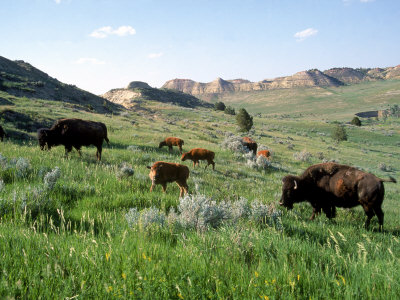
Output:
x,y
329,185
163,172
172,141
250,144
2,133
74,133
197,154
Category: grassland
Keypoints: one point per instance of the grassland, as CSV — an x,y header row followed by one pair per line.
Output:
x,y
73,240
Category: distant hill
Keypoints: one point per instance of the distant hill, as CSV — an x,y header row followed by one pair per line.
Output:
x,y
137,90
312,78
21,79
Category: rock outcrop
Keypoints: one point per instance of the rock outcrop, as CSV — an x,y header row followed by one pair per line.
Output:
x,y
311,78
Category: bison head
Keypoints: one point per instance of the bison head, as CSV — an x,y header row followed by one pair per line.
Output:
x,y
290,191
163,143
43,135
185,156
154,172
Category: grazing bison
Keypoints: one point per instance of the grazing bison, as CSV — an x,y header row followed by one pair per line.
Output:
x,y
330,185
2,133
162,172
74,133
197,154
265,153
250,144
172,141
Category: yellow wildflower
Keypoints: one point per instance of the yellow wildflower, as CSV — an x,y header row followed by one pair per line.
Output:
x,y
256,273
108,256
180,296
298,277
109,289
123,276
341,277
144,256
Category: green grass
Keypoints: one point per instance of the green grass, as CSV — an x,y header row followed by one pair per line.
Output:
x,y
81,246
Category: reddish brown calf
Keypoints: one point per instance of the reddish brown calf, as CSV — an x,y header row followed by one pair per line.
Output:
x,y
250,143
265,153
163,172
172,141
197,154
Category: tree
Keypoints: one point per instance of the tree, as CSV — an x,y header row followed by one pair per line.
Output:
x,y
356,121
339,133
230,110
244,120
219,106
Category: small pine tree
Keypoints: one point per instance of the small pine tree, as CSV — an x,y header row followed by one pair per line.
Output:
x,y
219,106
356,121
339,133
244,120
230,110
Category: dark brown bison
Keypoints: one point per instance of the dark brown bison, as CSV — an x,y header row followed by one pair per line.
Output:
x,y
265,153
2,133
197,154
74,133
163,172
250,144
172,141
330,185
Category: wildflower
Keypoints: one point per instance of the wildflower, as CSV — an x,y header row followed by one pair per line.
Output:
x,y
298,277
256,274
341,277
109,289
108,256
123,275
144,256
180,296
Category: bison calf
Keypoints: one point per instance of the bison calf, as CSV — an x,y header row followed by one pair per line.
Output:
x,y
172,141
197,154
250,144
330,185
265,153
163,172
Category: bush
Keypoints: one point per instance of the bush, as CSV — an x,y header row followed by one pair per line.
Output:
x,y
244,120
339,133
302,156
356,121
219,106
230,110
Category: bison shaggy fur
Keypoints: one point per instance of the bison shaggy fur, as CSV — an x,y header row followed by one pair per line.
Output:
x,y
172,141
73,133
329,185
197,154
163,172
2,133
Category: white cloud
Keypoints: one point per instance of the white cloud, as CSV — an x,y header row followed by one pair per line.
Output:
x,y
105,31
365,1
155,55
302,35
89,60
57,1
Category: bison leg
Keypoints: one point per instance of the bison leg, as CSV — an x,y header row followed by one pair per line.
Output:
x,y
98,153
183,187
164,187
370,213
379,213
194,163
170,148
67,150
152,186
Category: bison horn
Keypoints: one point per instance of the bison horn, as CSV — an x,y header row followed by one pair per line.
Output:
x,y
295,185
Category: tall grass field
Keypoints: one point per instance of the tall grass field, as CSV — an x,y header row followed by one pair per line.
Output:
x,y
75,228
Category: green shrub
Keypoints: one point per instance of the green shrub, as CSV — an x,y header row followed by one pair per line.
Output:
x,y
244,120
339,133
356,121
230,110
219,106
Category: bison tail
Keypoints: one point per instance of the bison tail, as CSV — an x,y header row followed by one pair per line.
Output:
x,y
391,179
107,140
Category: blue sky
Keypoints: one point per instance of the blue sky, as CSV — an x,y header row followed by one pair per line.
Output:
x,y
103,44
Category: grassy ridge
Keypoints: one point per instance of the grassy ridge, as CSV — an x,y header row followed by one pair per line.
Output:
x,y
79,243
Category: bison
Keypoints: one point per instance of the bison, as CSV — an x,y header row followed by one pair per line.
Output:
x,y
163,172
2,133
172,141
329,185
197,154
265,153
74,133
250,144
